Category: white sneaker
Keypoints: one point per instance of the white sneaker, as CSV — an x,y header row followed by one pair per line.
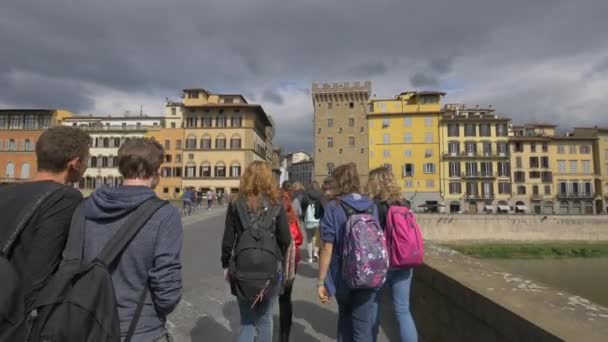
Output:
x,y
310,260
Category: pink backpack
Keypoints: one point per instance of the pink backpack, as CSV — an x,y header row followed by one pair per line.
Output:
x,y
403,238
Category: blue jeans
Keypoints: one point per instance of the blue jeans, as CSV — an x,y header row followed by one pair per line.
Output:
x,y
257,321
356,314
400,282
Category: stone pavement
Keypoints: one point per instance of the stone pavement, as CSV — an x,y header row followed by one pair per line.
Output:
x,y
208,311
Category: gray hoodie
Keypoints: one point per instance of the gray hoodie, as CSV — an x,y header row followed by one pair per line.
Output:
x,y
152,258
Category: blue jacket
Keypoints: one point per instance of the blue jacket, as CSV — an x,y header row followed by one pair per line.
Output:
x,y
332,230
152,258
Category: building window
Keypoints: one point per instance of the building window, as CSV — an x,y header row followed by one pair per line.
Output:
x,y
428,153
190,156
206,142
235,142
534,174
471,169
237,121
470,148
220,143
484,130
178,158
533,147
453,130
387,154
454,148
191,142
220,171
487,148
545,147
455,188
546,176
430,183
586,166
351,141
519,147
561,166
504,188
486,169
454,169
572,149
584,149
351,105
235,170
561,149
504,169
178,144
544,162
221,120
351,122
168,158
330,168
330,142
547,189
167,144
207,121
472,189
521,189
104,161
205,170
573,166
385,123
408,183
469,130
28,146
428,122
330,123
386,138
173,111
501,130
534,162
319,131
25,171
165,172
502,148
428,138
408,138
9,171
329,105
93,161
166,190
429,168
519,177
407,153
408,170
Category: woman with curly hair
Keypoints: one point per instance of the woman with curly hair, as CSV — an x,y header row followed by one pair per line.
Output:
x,y
256,236
385,192
292,258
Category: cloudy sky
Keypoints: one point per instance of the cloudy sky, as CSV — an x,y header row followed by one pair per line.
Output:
x,y
532,59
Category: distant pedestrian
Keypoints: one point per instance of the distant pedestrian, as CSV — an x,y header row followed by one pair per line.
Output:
x,y
209,199
256,237
357,307
311,222
199,198
152,260
290,267
46,203
187,200
383,188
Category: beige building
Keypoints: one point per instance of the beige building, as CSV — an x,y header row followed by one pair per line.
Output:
x,y
600,156
340,127
475,165
223,134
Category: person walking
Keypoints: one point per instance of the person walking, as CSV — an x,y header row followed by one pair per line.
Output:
x,y
311,222
152,259
290,267
209,199
49,200
383,188
187,200
256,237
357,307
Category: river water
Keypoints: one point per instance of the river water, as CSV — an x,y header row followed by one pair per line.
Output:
x,y
585,277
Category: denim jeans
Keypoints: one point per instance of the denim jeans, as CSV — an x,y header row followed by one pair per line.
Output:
x,y
256,321
356,314
400,282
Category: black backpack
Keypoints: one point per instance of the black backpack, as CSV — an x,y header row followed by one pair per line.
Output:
x,y
254,268
78,303
12,308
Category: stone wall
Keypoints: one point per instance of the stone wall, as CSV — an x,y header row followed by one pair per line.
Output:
x,y
457,298
437,227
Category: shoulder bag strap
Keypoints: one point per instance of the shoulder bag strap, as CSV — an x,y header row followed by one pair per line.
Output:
x,y
24,217
241,210
136,220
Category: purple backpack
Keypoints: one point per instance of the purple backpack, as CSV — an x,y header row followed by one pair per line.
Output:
x,y
404,239
364,257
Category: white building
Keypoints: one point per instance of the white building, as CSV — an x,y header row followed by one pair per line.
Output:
x,y
290,159
107,134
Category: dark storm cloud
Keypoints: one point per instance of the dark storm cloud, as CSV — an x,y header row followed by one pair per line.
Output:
x,y
158,47
272,96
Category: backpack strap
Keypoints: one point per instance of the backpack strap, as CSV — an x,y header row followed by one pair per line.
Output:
x,y
136,220
24,217
137,314
74,245
350,211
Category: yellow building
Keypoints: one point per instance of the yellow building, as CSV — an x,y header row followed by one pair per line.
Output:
x,y
171,136
574,180
404,136
223,135
475,167
533,163
600,160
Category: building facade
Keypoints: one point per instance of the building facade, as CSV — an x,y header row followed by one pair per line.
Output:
x,y
223,135
475,164
302,172
404,137
171,136
107,135
19,132
600,160
340,127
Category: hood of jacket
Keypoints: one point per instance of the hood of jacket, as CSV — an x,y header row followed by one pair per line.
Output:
x,y
358,202
111,203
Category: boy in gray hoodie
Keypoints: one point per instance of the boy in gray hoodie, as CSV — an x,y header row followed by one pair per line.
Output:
x,y
153,256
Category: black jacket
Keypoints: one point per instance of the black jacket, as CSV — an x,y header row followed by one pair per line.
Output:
x,y
234,229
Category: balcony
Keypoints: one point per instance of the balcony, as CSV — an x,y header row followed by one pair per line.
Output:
x,y
479,175
475,155
575,195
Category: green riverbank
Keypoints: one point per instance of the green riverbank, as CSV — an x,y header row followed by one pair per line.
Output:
x,y
533,250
